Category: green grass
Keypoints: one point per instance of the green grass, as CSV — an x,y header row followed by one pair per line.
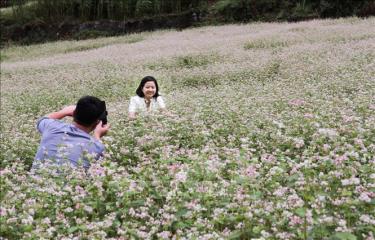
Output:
x,y
23,53
266,43
185,61
9,15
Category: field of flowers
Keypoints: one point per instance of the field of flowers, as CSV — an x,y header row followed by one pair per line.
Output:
x,y
271,136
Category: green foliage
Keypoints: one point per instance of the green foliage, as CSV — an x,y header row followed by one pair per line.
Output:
x,y
58,10
40,15
266,43
186,61
343,236
244,10
21,12
53,48
144,8
342,8
191,61
227,10
87,34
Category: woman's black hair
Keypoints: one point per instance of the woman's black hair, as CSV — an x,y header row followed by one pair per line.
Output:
x,y
146,79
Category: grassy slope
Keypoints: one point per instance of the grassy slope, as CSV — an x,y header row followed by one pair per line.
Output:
x,y
268,110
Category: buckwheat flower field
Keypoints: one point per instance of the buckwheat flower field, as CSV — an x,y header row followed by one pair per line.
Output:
x,y
271,135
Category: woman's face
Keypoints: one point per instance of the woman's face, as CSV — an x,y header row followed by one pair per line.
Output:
x,y
149,89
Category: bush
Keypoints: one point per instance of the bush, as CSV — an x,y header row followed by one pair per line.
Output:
x,y
88,33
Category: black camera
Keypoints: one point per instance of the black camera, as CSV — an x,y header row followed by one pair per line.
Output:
x,y
104,115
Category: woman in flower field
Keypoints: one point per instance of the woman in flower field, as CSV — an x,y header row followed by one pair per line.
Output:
x,y
293,159
147,98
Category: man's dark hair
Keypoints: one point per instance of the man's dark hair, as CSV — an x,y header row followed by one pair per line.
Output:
x,y
88,110
146,79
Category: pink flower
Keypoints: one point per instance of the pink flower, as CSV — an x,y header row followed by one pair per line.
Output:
x,y
350,181
295,220
164,235
251,171
340,159
347,119
46,221
280,191
202,189
367,219
298,143
295,201
4,172
326,147
192,204
173,168
240,196
181,176
88,209
96,170
3,212
296,102
366,197
328,132
268,158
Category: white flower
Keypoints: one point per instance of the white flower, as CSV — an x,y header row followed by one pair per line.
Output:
x,y
88,209
280,191
331,133
181,176
164,235
350,181
46,221
298,142
68,210
365,197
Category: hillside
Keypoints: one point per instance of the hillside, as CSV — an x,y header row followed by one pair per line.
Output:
x,y
271,135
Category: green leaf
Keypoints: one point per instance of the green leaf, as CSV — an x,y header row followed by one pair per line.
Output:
x,y
27,228
77,228
301,212
73,229
179,225
181,212
257,229
235,235
346,193
137,203
241,180
293,178
343,236
256,195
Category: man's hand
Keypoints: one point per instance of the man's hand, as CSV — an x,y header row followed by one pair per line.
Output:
x,y
69,110
66,111
100,130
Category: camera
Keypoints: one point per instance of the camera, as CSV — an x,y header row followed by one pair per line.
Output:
x,y
103,117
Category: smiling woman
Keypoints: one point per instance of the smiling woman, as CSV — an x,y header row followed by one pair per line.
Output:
x,y
147,99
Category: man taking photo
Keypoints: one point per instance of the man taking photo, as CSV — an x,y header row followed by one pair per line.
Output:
x,y
64,143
